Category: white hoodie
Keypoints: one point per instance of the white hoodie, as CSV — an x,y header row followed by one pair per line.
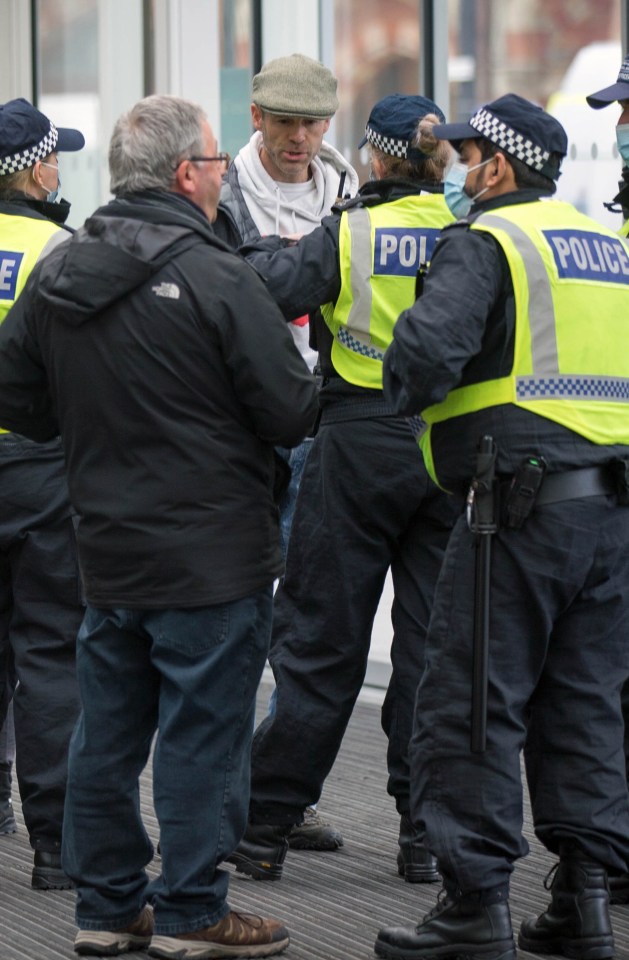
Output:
x,y
293,208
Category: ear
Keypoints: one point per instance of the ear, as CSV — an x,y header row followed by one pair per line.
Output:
x,y
378,167
326,125
256,116
500,173
185,178
36,172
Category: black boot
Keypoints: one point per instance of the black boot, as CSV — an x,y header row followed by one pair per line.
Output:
x,y
619,888
47,872
414,862
465,927
262,851
7,818
576,923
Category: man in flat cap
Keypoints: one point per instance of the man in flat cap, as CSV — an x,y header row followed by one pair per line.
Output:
x,y
619,93
284,181
40,593
515,357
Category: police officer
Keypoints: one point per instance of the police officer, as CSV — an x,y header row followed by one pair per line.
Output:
x,y
519,338
40,595
619,92
366,503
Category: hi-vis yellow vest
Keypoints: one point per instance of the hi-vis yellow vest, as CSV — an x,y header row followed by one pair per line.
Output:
x,y
380,250
571,362
23,240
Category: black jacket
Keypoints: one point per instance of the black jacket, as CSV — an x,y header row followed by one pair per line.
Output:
x,y
170,374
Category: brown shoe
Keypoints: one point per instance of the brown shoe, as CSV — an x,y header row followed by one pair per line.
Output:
x,y
110,943
236,935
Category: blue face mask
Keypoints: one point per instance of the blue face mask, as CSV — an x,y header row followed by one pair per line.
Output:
x,y
622,139
457,200
52,195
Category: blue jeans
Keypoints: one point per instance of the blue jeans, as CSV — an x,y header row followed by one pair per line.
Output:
x,y
192,675
296,459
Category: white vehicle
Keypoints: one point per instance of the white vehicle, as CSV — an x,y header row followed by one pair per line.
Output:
x,y
592,169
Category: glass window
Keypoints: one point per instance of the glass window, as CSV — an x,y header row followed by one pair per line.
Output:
x,y
66,71
235,74
377,49
89,67
554,53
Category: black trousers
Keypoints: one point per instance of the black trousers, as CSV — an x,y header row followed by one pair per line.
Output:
x,y
557,661
365,504
40,613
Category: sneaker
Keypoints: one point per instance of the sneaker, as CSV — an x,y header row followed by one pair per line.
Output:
x,y
110,943
47,873
314,834
236,935
262,851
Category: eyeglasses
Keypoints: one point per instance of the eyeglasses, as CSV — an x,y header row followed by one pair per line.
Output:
x,y
223,158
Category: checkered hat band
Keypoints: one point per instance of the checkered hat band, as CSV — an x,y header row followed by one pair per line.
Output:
x,y
26,159
623,76
395,148
507,139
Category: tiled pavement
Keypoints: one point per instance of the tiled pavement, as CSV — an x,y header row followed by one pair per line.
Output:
x,y
333,903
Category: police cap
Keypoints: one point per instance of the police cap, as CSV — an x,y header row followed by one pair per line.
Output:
x,y
27,135
617,91
519,128
392,124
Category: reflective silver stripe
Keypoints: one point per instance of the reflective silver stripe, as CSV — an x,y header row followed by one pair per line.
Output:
x,y
59,236
359,317
547,382
541,306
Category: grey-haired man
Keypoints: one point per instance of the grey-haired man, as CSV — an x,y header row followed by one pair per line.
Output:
x,y
169,402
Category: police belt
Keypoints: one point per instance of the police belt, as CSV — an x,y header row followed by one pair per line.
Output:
x,y
573,485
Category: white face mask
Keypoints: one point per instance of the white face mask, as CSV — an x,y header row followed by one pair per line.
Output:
x,y
457,200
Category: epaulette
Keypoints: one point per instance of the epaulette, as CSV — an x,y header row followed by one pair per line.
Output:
x,y
360,200
462,223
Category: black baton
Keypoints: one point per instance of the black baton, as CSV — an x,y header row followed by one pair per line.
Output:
x,y
482,520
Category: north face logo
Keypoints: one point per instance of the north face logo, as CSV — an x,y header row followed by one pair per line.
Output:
x,y
170,290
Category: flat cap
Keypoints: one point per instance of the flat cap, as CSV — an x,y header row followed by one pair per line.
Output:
x,y
617,91
392,124
296,86
518,127
27,135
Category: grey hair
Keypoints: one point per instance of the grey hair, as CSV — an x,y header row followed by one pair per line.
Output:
x,y
150,140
